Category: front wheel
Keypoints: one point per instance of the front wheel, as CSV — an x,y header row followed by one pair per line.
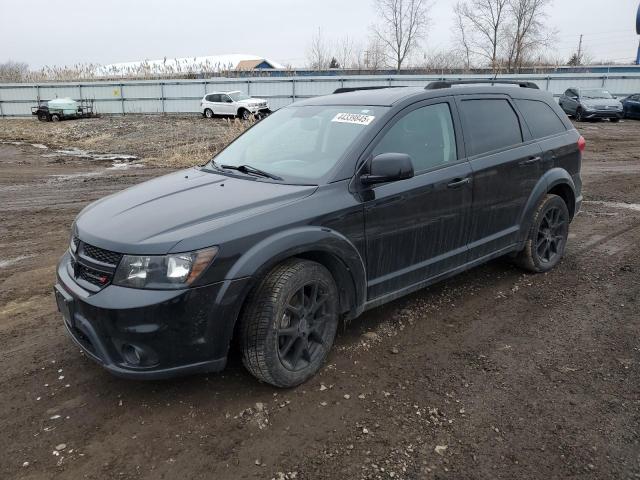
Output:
x,y
244,114
547,237
289,323
579,115
55,117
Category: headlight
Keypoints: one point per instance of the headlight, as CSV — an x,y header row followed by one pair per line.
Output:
x,y
163,271
73,243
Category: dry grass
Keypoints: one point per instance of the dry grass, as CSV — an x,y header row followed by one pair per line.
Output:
x,y
164,141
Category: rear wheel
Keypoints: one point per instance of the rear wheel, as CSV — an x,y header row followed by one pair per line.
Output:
x,y
289,323
547,238
579,115
208,113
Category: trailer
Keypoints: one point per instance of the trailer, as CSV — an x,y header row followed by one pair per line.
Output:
x,y
63,109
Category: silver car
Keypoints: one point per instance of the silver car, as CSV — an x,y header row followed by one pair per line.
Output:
x,y
591,103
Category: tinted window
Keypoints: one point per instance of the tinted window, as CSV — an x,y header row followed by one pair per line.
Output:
x,y
541,118
489,125
425,134
213,98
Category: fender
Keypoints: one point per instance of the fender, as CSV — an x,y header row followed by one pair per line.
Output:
x,y
552,178
308,240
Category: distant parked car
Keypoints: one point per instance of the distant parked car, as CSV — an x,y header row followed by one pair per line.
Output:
x,y
233,103
631,106
590,104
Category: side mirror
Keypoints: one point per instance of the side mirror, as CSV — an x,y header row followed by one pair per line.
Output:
x,y
388,167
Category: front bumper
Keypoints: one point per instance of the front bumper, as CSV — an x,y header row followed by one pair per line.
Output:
x,y
593,114
151,334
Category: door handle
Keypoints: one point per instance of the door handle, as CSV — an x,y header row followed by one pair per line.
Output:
x,y
458,182
530,161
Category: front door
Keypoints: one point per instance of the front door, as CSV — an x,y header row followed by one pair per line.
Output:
x,y
416,228
226,104
506,163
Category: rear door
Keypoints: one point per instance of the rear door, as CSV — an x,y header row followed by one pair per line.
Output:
x,y
416,228
506,165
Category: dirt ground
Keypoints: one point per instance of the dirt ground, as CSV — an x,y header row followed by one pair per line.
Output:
x,y
494,374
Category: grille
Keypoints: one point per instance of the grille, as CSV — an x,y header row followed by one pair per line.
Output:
x,y
94,277
101,255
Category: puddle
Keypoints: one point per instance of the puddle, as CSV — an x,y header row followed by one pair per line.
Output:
x,y
76,152
71,176
12,261
627,206
124,166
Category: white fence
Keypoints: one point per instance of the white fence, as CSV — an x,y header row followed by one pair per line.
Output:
x,y
183,96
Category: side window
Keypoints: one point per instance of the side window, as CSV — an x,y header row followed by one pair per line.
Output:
x,y
489,125
225,99
568,93
426,134
541,118
214,98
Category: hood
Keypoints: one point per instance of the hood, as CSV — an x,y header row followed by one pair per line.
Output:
x,y
600,102
252,100
154,216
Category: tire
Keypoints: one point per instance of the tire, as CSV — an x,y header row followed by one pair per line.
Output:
x,y
208,113
615,120
289,323
244,114
55,117
42,117
547,237
579,117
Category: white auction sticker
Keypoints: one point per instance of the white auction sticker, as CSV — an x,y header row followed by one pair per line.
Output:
x,y
356,118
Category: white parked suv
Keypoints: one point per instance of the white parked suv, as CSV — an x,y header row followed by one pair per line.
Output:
x,y
233,103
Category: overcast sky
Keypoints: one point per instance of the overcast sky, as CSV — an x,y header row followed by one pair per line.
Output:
x,y
65,32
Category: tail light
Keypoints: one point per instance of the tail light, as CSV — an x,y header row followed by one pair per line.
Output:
x,y
582,143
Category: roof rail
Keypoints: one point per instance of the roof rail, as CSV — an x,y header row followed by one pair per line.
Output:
x,y
355,89
450,83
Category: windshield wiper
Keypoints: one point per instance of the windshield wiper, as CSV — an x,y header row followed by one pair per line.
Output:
x,y
250,170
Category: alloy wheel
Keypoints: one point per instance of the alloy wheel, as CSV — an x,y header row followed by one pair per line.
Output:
x,y
302,329
551,235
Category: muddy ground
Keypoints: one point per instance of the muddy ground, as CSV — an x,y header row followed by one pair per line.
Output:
x,y
494,374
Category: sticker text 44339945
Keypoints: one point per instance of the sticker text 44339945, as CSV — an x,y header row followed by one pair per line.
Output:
x,y
357,118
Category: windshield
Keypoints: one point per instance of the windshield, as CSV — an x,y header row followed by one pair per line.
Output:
x,y
300,144
595,93
237,96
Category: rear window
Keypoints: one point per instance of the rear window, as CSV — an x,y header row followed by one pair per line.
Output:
x,y
489,125
541,118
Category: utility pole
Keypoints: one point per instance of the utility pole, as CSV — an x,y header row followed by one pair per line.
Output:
x,y
580,50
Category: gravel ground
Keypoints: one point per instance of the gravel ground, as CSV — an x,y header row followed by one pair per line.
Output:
x,y
493,374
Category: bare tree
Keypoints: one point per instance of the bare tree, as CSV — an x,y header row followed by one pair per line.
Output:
x,y
444,61
13,71
345,52
484,24
374,55
460,33
526,31
318,56
402,24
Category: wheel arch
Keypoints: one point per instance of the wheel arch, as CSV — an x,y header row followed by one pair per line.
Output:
x,y
556,181
319,244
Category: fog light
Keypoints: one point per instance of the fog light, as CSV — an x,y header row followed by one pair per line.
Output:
x,y
132,355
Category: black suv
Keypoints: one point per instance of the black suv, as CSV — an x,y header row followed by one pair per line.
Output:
x,y
327,208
